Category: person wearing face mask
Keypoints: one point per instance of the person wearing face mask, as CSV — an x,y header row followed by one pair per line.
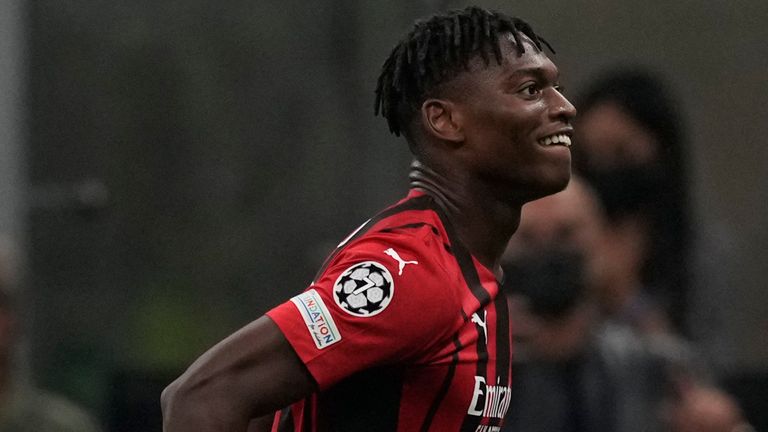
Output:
x,y
630,151
569,373
576,371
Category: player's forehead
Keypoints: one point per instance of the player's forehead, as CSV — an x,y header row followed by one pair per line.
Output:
x,y
532,62
507,42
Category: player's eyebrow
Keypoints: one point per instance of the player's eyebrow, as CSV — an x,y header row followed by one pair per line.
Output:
x,y
537,72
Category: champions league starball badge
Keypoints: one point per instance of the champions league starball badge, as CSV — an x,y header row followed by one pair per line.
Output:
x,y
364,289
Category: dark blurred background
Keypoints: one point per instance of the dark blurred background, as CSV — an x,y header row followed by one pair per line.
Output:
x,y
171,169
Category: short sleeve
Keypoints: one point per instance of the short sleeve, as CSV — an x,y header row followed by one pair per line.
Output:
x,y
384,300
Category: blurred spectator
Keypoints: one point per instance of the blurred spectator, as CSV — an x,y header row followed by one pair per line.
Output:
x,y
574,371
628,146
700,408
24,408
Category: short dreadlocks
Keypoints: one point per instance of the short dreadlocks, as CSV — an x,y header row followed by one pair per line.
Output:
x,y
435,51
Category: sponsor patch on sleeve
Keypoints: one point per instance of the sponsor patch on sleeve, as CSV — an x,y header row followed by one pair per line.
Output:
x,y
317,318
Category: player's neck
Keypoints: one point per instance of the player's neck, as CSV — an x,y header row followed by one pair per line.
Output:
x,y
483,223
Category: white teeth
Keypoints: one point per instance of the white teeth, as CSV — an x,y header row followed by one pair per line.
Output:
x,y
556,139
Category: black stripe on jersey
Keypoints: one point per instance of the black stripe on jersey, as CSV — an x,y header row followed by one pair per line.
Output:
x,y
468,270
502,338
286,421
309,414
412,226
440,396
464,260
422,202
502,341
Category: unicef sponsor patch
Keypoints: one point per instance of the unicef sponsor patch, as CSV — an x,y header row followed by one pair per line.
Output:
x,y
364,289
317,318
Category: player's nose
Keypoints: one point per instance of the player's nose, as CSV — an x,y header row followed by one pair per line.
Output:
x,y
561,107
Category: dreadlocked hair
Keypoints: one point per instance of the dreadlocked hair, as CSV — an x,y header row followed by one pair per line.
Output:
x,y
435,51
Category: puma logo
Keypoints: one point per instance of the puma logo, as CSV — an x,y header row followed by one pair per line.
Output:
x,y
401,262
482,323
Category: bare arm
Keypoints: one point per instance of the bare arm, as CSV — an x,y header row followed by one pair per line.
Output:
x,y
249,374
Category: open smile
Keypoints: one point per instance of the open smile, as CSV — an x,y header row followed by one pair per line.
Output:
x,y
560,138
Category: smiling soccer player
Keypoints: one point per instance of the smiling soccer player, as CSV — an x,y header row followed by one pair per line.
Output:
x,y
404,328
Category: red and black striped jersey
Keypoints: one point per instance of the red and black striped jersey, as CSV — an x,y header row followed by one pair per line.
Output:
x,y
403,330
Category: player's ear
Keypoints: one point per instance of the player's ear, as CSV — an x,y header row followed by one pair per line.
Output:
x,y
442,119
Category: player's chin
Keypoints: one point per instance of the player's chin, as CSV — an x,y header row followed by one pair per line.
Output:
x,y
550,182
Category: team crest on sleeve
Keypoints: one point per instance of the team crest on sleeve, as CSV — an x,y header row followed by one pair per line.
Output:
x,y
364,289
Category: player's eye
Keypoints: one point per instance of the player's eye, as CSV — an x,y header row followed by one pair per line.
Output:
x,y
531,89
560,89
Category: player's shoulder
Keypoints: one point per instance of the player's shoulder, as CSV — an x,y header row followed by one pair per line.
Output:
x,y
425,241
396,272
419,250
413,220
410,227
410,250
400,241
